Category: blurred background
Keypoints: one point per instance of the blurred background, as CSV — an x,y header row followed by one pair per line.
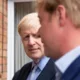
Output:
x,y
12,55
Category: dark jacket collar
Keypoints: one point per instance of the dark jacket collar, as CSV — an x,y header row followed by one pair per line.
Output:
x,y
72,71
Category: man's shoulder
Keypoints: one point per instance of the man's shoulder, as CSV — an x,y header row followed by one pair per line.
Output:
x,y
27,65
73,71
22,70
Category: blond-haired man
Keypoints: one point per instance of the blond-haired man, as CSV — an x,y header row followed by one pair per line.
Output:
x,y
60,32
42,67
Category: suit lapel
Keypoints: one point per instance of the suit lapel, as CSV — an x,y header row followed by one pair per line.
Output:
x,y
72,71
25,72
48,72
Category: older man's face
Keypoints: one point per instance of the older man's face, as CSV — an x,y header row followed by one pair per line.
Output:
x,y
32,42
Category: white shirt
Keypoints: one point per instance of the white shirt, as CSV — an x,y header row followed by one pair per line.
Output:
x,y
64,62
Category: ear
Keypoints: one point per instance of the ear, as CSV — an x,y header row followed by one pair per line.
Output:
x,y
62,15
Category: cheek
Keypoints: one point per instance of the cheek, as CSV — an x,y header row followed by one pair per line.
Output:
x,y
40,44
24,44
43,30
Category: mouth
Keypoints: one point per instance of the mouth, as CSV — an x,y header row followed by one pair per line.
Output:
x,y
33,50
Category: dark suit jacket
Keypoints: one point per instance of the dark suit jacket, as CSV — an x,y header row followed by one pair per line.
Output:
x,y
48,73
73,72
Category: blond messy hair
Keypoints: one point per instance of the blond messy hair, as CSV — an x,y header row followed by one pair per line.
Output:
x,y
72,8
28,21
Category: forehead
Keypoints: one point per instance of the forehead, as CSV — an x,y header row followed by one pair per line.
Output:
x,y
43,15
29,30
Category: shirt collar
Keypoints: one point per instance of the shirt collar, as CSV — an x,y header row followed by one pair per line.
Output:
x,y
42,63
64,62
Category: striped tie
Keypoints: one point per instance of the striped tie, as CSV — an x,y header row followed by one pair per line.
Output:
x,y
58,74
33,73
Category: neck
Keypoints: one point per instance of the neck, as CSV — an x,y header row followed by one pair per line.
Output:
x,y
36,61
71,40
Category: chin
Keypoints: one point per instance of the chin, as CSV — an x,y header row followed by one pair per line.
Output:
x,y
37,57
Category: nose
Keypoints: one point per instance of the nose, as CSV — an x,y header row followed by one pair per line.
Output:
x,y
31,40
